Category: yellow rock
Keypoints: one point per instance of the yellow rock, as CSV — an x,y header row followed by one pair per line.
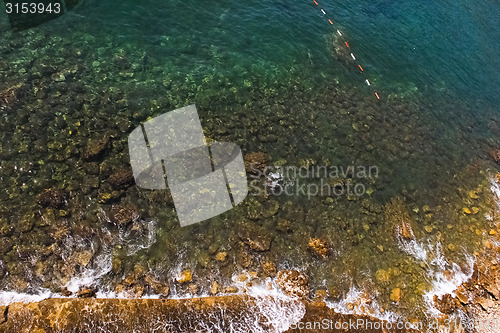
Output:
x,y
396,295
429,228
221,256
241,278
185,276
382,276
83,258
320,294
421,288
492,232
466,210
215,288
231,290
473,194
475,210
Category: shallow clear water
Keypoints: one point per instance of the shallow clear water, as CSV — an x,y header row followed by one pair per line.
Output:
x,y
271,77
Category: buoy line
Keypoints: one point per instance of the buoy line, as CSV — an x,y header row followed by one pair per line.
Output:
x,y
341,35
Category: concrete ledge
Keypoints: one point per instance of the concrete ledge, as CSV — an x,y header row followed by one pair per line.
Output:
x,y
235,313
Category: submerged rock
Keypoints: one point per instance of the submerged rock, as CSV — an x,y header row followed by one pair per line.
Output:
x,y
121,179
53,198
396,295
221,256
6,244
256,237
284,226
255,162
405,231
156,286
122,216
268,269
244,258
95,148
11,94
270,208
319,247
495,154
382,276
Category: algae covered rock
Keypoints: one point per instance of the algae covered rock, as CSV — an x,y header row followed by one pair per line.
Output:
x,y
95,147
53,198
256,237
495,154
255,162
121,179
122,216
382,276
6,244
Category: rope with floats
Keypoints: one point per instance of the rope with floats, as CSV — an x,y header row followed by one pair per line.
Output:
x,y
348,48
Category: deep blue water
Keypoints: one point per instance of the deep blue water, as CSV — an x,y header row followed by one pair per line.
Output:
x,y
436,45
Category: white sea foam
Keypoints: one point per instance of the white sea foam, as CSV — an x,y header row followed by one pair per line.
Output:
x,y
273,310
415,249
357,302
446,283
90,276
495,189
444,276
9,297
